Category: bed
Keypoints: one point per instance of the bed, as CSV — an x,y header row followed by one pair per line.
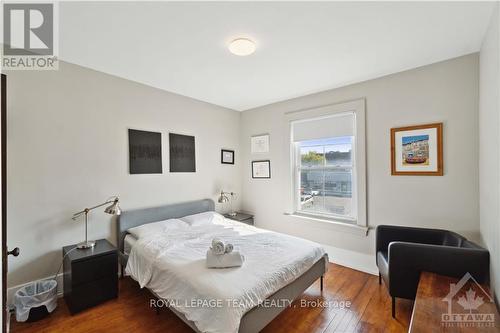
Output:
x,y
253,319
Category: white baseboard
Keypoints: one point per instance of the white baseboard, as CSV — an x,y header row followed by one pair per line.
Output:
x,y
12,290
355,260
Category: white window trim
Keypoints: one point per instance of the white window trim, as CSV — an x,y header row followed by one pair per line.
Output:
x,y
357,107
330,224
296,179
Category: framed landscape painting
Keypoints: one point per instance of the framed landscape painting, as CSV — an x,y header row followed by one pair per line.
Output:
x,y
417,150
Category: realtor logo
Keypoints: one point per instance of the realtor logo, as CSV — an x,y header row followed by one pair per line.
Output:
x,y
464,305
29,36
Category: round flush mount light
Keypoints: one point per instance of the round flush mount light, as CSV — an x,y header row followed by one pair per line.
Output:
x,y
242,47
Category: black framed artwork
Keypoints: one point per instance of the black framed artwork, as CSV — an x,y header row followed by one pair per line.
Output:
x,y
227,156
144,152
261,169
182,153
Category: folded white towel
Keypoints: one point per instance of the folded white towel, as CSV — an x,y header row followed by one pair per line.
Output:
x,y
218,246
229,248
233,259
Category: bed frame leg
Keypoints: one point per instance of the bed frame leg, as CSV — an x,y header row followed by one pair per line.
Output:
x,y
379,278
393,307
122,275
321,283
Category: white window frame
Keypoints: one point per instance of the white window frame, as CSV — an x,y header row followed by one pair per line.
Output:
x,y
357,108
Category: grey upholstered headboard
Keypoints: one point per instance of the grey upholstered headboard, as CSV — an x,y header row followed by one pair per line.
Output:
x,y
133,218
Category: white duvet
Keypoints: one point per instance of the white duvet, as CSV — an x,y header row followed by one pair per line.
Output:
x,y
172,265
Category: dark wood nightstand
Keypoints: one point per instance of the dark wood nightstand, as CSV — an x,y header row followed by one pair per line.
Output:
x,y
241,217
90,275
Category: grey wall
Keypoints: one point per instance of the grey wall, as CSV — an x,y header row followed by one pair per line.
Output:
x,y
68,149
444,92
489,146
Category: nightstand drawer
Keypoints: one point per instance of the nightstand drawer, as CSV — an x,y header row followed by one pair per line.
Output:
x,y
90,275
92,293
88,270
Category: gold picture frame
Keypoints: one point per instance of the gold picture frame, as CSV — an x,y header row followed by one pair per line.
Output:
x,y
417,150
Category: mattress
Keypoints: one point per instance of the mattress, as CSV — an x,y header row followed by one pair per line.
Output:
x,y
172,265
128,243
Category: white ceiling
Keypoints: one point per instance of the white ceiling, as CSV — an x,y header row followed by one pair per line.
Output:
x,y
302,47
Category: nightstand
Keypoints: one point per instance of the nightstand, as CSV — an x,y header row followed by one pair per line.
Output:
x,y
90,275
241,217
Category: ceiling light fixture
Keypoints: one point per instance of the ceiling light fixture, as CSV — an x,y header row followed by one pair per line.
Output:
x,y
242,47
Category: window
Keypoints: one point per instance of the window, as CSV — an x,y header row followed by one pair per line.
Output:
x,y
325,173
327,146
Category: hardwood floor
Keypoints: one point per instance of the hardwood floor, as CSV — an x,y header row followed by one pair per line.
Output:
x,y
369,311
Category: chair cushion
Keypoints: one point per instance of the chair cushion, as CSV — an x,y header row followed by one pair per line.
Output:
x,y
383,266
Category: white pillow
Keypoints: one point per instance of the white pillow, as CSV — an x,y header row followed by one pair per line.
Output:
x,y
157,227
203,218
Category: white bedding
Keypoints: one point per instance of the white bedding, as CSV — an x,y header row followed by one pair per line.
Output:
x,y
172,265
158,227
128,243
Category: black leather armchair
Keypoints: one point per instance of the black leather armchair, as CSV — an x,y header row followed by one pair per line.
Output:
x,y
403,252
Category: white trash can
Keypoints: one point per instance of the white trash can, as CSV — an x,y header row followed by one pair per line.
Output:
x,y
35,300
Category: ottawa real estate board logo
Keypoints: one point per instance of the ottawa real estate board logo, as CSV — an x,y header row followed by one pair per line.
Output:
x,y
467,305
29,36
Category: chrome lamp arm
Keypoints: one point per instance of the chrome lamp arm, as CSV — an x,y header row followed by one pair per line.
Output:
x,y
113,209
114,200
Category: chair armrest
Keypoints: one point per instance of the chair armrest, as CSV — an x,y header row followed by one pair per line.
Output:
x,y
444,260
386,234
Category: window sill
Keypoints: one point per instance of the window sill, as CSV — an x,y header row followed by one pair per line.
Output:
x,y
332,224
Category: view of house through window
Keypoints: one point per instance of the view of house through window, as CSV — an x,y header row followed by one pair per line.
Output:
x,y
326,176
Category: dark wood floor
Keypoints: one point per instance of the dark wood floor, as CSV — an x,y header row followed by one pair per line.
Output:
x,y
370,311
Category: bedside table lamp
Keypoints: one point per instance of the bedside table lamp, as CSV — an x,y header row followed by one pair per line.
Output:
x,y
223,198
113,209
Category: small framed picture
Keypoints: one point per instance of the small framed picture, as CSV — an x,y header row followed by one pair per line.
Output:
x,y
261,169
227,156
260,144
417,150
